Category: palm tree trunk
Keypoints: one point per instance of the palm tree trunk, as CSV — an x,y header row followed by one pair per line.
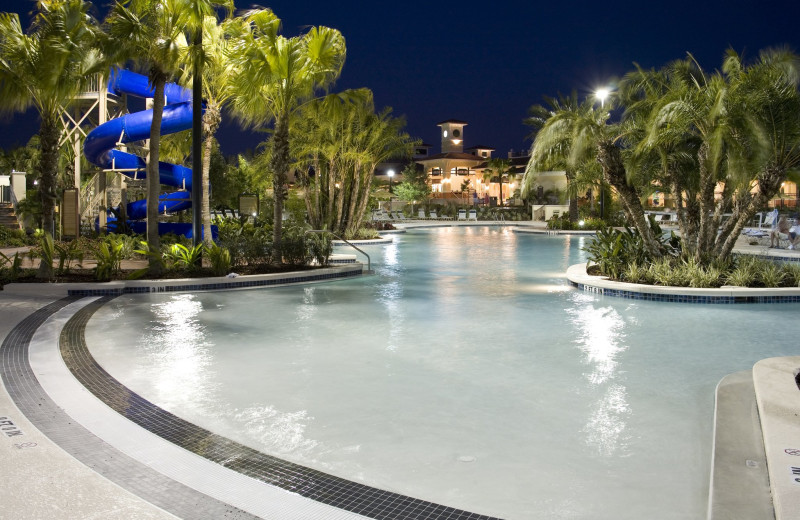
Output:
x,y
707,231
153,177
211,120
48,139
769,184
355,195
364,200
280,168
609,157
571,192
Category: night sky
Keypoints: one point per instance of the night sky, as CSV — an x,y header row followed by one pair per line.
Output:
x,y
486,63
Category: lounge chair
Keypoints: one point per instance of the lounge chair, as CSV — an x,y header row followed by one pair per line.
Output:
x,y
462,214
473,215
771,220
421,215
434,216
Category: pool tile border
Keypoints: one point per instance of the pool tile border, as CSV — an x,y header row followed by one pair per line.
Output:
x,y
27,393
577,277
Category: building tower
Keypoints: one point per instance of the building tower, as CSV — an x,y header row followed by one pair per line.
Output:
x,y
452,135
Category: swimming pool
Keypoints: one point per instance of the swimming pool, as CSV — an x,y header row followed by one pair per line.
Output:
x,y
466,372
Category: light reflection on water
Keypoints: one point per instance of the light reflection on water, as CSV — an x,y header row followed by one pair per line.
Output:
x,y
466,345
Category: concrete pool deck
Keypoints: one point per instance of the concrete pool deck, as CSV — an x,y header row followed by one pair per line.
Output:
x,y
41,480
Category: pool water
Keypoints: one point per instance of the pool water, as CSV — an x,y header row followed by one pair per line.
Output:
x,y
466,372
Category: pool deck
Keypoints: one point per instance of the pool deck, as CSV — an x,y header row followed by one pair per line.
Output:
x,y
756,430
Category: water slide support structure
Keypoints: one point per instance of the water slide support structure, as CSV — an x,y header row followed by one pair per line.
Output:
x,y
100,148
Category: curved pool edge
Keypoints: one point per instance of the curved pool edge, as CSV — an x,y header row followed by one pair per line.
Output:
x,y
217,283
577,277
171,463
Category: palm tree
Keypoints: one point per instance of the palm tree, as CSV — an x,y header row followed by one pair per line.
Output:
x,y
741,125
272,75
553,150
497,168
578,133
342,140
216,66
155,39
46,69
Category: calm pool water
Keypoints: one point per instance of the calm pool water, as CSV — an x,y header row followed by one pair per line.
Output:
x,y
465,372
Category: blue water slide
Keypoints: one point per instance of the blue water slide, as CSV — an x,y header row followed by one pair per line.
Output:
x,y
100,144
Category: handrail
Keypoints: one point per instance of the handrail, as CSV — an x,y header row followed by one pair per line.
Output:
x,y
369,262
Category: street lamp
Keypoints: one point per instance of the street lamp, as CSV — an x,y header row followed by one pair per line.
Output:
x,y
390,173
602,94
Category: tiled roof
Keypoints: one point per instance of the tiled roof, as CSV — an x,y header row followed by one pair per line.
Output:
x,y
454,121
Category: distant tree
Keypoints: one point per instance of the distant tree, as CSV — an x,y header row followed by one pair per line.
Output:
x,y
415,185
498,168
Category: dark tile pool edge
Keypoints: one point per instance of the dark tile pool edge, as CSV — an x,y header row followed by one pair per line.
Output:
x,y
683,298
313,484
199,284
577,277
28,395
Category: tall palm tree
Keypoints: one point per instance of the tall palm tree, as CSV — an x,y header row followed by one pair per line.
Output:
x,y
216,66
46,69
272,76
154,32
155,35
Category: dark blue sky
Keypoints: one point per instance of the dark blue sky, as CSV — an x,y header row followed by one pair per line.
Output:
x,y
486,63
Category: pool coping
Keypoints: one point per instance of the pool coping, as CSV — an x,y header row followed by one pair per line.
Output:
x,y
778,397
577,277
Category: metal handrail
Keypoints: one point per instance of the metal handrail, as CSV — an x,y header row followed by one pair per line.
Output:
x,y
369,262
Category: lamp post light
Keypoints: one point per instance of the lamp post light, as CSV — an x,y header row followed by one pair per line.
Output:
x,y
390,173
602,94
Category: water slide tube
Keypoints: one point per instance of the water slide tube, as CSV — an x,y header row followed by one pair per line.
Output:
x,y
99,149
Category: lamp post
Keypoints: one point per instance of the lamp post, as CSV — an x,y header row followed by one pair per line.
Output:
x,y
390,173
602,94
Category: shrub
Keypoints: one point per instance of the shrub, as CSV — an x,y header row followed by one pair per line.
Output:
x,y
14,238
744,274
220,260
771,275
791,274
664,271
186,259
9,268
109,258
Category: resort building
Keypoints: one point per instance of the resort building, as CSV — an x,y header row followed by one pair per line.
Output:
x,y
461,174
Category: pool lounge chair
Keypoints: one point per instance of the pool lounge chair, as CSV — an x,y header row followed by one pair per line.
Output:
x,y
421,215
462,214
473,215
433,215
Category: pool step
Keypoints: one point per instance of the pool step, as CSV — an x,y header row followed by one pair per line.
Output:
x,y
739,485
778,399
